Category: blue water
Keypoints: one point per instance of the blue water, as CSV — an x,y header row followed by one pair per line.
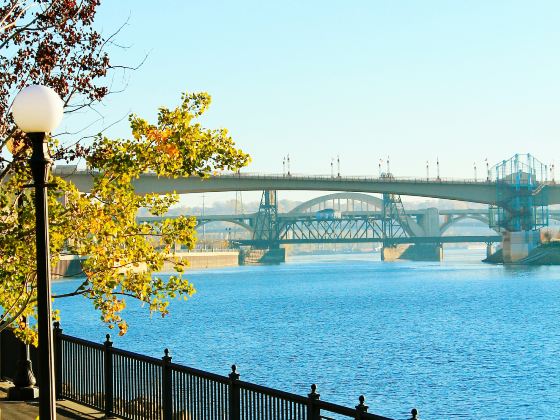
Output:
x,y
460,339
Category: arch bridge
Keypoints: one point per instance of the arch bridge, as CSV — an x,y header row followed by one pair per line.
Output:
x,y
349,218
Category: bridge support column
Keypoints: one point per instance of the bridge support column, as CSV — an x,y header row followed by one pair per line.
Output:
x,y
517,245
415,252
489,249
392,252
430,222
262,256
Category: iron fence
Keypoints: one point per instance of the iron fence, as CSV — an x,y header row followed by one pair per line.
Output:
x,y
133,386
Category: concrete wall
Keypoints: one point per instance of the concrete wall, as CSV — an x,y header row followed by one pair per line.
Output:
x,y
207,259
69,265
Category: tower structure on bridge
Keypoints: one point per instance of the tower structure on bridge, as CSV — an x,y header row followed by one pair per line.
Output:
x,y
266,224
521,208
518,181
395,224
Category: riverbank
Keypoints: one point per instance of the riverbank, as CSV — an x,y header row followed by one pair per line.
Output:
x,y
70,265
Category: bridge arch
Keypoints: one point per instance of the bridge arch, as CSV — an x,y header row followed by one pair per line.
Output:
x,y
376,202
244,225
453,220
369,200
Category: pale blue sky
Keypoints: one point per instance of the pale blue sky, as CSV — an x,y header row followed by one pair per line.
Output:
x,y
462,80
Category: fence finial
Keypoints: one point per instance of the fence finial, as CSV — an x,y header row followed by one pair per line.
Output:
x,y
414,413
313,394
166,357
108,341
234,374
362,407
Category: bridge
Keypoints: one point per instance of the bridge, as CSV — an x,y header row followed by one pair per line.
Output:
x,y
359,219
518,199
474,191
344,229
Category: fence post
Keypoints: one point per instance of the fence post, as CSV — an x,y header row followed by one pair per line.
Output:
x,y
57,360
414,414
313,412
234,395
361,408
166,383
108,374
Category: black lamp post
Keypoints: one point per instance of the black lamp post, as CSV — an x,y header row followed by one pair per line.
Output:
x,y
37,110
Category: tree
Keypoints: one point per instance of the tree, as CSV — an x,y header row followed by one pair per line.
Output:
x,y
53,43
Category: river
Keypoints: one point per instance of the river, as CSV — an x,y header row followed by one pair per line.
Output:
x,y
457,339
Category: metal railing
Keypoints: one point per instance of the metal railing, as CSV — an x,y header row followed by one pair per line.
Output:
x,y
69,170
133,386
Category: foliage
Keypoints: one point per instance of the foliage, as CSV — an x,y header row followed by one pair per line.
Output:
x,y
53,42
121,254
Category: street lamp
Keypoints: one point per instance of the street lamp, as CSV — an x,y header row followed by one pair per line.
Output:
x,y
37,110
338,166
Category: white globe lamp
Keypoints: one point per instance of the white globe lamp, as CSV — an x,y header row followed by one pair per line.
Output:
x,y
37,109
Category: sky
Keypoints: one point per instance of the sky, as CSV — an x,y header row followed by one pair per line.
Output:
x,y
458,81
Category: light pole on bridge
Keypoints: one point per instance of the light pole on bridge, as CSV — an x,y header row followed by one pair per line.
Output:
x,y
338,165
437,168
474,165
332,167
427,171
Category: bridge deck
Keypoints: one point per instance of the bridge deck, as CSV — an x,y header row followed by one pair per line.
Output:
x,y
388,241
463,190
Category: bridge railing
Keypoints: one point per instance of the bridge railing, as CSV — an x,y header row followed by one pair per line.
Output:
x,y
134,386
68,170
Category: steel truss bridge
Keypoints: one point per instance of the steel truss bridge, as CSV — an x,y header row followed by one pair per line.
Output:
x,y
362,218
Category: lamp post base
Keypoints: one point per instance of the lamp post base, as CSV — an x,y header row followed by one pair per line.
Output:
x,y
23,393
24,379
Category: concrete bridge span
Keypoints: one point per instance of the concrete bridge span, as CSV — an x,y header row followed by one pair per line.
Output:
x,y
465,190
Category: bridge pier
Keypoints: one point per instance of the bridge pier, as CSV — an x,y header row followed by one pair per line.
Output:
x,y
429,221
517,245
489,249
262,256
414,252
